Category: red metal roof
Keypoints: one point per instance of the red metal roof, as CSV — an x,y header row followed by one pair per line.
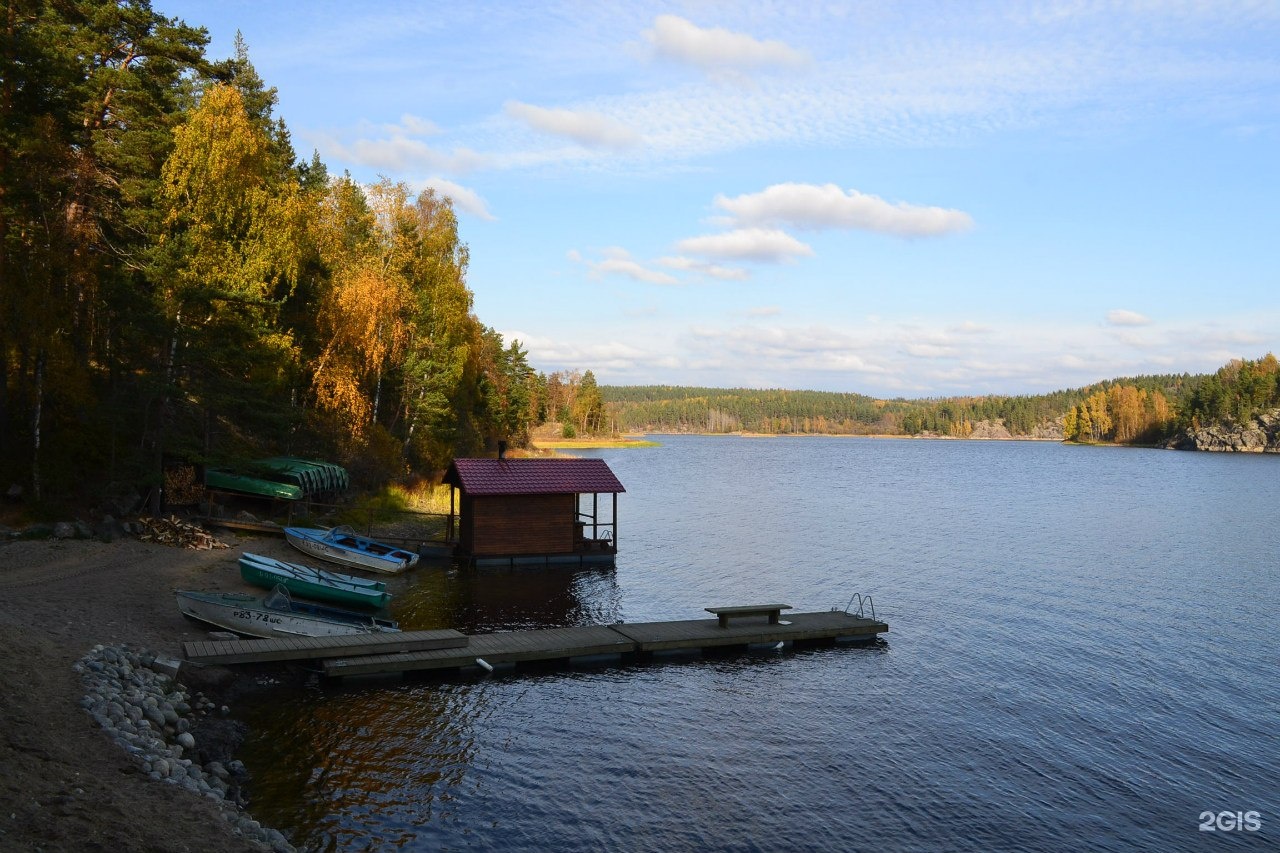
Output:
x,y
532,476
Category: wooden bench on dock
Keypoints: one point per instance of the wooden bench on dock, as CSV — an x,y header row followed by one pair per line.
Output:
x,y
773,611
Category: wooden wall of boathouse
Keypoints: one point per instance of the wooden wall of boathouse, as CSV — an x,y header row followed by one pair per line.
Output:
x,y
510,525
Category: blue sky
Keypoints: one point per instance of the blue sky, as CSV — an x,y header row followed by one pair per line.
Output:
x,y
896,199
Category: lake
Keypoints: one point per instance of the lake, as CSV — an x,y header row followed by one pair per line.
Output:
x,y
1082,656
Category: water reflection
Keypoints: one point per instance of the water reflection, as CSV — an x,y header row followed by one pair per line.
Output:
x,y
348,747
506,599
396,755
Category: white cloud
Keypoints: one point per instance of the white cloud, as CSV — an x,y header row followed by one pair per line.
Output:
x,y
708,269
747,244
632,269
602,357
911,357
828,206
924,350
589,129
1134,339
464,198
889,77
414,126
1121,317
1213,334
401,154
618,261
764,311
774,349
714,49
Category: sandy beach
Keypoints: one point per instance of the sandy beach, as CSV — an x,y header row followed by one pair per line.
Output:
x,y
65,784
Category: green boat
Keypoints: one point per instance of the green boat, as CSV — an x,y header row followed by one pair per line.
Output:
x,y
314,477
316,584
225,481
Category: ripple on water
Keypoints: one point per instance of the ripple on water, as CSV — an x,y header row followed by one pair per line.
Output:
x,y
1082,656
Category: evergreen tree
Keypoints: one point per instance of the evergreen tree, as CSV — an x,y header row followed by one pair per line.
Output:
x,y
88,93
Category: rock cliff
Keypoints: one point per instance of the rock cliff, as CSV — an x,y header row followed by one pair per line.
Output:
x,y
1260,435
990,430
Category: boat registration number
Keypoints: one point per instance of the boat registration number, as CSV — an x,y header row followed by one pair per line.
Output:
x,y
253,616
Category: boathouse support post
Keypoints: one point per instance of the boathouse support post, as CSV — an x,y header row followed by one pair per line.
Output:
x,y
449,533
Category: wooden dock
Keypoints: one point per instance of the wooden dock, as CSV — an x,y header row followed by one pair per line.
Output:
x,y
313,648
411,651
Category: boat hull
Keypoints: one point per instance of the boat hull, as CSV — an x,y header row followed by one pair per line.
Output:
x,y
315,584
347,549
231,482
248,615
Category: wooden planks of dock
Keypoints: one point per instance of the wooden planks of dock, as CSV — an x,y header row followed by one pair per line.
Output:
x,y
707,633
313,648
375,654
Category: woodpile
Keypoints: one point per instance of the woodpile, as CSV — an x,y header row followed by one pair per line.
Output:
x,y
177,533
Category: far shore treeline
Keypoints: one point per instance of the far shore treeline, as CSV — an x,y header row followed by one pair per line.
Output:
x,y
179,289
1135,410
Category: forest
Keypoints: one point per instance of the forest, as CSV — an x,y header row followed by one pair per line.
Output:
x,y
1133,410
177,286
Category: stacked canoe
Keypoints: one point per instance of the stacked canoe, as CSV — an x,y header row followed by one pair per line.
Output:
x,y
283,477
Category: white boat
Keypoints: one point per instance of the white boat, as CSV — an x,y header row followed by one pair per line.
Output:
x,y
276,615
344,546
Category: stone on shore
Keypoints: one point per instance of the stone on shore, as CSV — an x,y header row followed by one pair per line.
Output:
x,y
1260,435
134,697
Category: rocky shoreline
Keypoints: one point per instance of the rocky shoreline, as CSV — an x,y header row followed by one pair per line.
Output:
x,y
135,697
104,743
1259,435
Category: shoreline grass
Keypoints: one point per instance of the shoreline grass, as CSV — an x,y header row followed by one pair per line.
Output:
x,y
592,443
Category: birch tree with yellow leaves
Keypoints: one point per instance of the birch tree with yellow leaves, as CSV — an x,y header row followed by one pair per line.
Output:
x,y
227,259
362,320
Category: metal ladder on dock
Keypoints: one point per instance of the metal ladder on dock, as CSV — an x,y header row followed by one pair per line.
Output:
x,y
864,603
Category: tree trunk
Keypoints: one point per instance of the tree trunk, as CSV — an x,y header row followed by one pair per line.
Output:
x,y
6,109
37,406
162,420
4,397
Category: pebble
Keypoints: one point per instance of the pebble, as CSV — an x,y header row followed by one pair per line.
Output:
x,y
149,716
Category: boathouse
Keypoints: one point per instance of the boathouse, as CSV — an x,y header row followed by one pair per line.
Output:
x,y
531,511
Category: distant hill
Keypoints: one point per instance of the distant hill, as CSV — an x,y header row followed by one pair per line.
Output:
x,y
1137,409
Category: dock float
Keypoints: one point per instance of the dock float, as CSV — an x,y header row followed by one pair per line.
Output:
x,y
413,651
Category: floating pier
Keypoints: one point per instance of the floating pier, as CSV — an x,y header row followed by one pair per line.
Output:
x,y
412,651
313,648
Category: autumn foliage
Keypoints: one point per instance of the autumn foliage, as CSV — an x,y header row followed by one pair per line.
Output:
x,y
178,288
1123,413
